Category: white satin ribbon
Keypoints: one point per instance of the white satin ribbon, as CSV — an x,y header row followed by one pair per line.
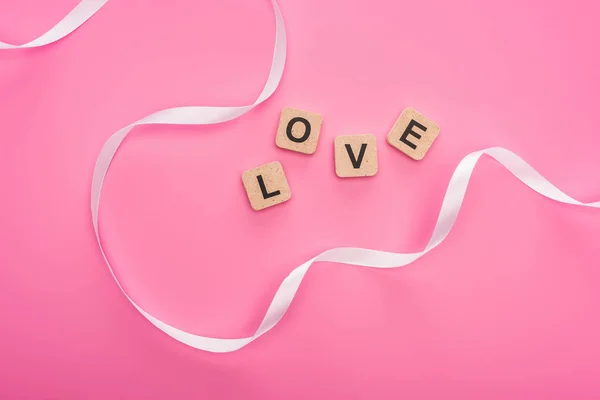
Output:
x,y
73,20
366,257
354,256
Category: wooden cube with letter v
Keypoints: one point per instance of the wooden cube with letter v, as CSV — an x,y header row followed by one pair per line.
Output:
x,y
266,185
355,155
413,134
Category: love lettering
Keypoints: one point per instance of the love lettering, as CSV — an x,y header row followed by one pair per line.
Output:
x,y
355,155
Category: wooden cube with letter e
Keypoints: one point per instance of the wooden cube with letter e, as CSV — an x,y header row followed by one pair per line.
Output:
x,y
413,134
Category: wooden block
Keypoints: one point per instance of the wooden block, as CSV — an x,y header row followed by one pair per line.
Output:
x,y
266,185
298,130
413,134
355,155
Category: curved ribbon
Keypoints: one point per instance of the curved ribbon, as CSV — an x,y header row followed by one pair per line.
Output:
x,y
354,256
73,20
373,258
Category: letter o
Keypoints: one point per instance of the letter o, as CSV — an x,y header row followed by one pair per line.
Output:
x,y
290,125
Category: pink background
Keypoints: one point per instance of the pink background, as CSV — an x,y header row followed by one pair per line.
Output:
x,y
506,307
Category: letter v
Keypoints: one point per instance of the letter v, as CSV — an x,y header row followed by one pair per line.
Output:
x,y
356,162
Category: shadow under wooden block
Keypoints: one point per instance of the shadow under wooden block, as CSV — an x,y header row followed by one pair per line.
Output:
x,y
355,155
298,130
266,185
413,134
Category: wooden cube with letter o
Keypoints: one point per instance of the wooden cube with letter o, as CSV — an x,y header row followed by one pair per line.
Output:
x,y
298,130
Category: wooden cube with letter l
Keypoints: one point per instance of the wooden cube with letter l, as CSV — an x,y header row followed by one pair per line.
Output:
x,y
266,185
413,134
